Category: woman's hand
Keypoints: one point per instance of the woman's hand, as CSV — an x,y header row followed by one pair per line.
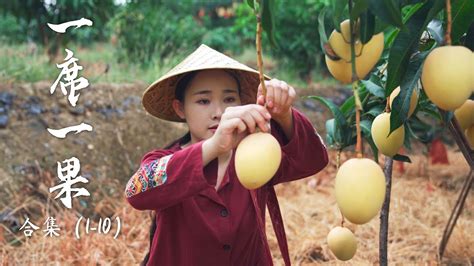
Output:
x,y
279,99
236,123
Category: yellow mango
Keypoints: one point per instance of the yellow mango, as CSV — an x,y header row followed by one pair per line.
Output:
x,y
360,189
339,69
257,159
346,30
370,55
465,114
342,243
447,76
341,47
388,145
342,69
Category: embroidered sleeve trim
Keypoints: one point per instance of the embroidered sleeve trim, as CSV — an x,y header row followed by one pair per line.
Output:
x,y
148,176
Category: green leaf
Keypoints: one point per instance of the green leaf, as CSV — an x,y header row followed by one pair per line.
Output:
x,y
338,8
333,108
323,37
407,139
331,139
427,107
391,35
387,10
268,21
349,104
426,133
469,41
447,116
462,16
401,103
367,26
375,111
250,3
366,126
402,158
359,7
341,128
435,28
410,11
407,41
373,88
431,112
409,2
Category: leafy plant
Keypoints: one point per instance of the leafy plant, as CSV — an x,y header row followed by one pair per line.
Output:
x,y
33,16
150,31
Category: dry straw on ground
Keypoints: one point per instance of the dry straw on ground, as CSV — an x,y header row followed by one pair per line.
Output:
x,y
419,211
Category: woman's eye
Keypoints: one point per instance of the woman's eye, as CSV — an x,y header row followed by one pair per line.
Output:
x,y
203,101
230,100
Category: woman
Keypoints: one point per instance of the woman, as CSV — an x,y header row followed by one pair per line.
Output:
x,y
204,216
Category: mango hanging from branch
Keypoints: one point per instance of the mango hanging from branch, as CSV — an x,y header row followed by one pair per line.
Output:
x,y
257,159
447,76
360,189
342,243
366,55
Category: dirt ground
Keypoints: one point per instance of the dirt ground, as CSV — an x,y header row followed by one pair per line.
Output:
x,y
422,196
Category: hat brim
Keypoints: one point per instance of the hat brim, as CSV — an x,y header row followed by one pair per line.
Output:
x,y
158,97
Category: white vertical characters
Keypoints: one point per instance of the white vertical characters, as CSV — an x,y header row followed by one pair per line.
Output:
x,y
61,28
68,179
51,227
29,227
69,75
61,133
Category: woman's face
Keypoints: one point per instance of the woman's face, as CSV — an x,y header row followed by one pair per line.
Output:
x,y
207,96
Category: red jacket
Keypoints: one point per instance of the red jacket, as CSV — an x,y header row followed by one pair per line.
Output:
x,y
197,225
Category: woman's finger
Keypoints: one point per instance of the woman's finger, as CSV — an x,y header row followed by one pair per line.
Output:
x,y
270,97
277,96
284,95
249,121
230,125
260,120
262,110
291,96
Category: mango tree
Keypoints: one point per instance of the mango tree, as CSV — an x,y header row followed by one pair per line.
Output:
x,y
411,68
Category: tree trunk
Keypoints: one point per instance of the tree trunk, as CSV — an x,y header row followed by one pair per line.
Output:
x,y
383,235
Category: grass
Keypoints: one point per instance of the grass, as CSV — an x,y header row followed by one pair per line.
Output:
x,y
23,63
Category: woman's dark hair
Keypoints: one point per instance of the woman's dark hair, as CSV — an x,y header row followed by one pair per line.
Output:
x,y
179,94
183,84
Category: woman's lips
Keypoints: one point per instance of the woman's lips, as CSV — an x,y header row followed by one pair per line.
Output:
x,y
213,129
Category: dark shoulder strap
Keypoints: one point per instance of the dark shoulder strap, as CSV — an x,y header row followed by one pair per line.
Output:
x,y
277,222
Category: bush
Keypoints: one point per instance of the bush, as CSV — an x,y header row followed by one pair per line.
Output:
x,y
149,32
297,34
245,24
11,29
223,40
28,20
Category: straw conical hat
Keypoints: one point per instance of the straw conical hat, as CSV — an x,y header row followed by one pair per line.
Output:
x,y
158,97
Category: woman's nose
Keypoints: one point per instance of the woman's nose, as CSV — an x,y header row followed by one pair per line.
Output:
x,y
219,109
